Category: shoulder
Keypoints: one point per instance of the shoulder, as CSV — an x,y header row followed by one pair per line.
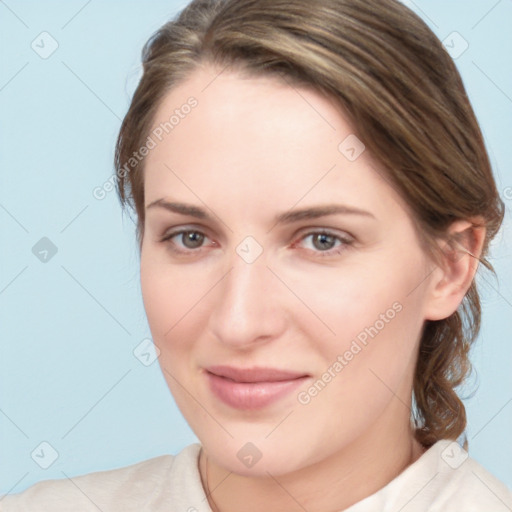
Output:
x,y
462,481
146,485
444,479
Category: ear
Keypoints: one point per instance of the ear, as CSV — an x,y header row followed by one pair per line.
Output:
x,y
450,281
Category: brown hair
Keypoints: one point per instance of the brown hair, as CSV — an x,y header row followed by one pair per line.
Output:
x,y
405,99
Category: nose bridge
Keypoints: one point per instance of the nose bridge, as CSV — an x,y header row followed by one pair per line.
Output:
x,y
246,307
246,285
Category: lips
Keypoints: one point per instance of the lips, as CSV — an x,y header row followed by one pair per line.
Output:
x,y
254,374
252,388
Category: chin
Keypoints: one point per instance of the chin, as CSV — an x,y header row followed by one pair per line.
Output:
x,y
260,457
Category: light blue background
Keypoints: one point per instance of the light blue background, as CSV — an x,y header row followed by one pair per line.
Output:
x,y
68,375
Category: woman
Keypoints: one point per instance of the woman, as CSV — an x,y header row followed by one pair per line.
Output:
x,y
313,197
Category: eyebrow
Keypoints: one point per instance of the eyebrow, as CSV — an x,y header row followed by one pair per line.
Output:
x,y
287,217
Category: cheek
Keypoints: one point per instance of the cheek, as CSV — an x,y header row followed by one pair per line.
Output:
x,y
365,369
360,300
377,323
159,304
166,292
177,304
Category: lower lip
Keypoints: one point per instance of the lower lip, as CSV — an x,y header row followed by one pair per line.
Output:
x,y
251,395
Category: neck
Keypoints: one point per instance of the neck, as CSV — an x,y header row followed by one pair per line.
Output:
x,y
335,483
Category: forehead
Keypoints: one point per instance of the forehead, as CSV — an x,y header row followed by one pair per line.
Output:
x,y
258,141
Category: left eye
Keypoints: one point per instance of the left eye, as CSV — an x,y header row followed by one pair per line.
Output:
x,y
325,243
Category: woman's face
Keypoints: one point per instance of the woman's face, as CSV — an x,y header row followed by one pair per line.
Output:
x,y
286,334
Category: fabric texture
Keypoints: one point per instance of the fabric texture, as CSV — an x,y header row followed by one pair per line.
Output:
x,y
443,479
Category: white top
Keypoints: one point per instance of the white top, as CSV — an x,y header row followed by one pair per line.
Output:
x,y
443,479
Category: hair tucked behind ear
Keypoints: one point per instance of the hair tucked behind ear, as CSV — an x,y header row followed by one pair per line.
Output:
x,y
405,99
443,364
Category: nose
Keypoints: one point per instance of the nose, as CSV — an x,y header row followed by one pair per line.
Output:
x,y
248,306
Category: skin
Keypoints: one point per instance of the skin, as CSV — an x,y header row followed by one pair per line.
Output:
x,y
251,149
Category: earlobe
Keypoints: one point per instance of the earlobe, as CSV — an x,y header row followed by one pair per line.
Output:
x,y
450,282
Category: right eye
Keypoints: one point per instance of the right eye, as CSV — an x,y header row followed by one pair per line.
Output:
x,y
189,240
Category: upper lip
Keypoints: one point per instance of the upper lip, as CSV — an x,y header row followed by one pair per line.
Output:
x,y
254,374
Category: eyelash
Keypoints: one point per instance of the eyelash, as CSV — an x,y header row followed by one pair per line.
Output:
x,y
345,242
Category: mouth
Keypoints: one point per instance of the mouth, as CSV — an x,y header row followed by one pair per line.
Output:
x,y
252,388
